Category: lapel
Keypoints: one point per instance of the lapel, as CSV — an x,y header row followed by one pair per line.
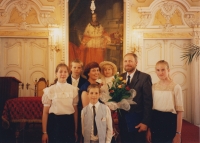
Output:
x,y
135,78
81,81
69,79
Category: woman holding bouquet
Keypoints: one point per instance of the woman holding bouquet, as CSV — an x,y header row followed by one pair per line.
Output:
x,y
167,108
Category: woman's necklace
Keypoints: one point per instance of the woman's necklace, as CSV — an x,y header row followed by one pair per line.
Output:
x,y
59,88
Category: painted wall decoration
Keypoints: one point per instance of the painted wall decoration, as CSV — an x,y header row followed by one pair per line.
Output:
x,y
96,36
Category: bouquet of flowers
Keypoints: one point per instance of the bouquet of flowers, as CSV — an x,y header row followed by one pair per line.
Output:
x,y
120,94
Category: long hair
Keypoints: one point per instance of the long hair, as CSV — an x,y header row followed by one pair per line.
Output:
x,y
57,68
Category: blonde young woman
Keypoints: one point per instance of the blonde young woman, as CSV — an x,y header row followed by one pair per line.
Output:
x,y
167,108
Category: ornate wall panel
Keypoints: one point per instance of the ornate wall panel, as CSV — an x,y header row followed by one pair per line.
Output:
x,y
13,51
38,55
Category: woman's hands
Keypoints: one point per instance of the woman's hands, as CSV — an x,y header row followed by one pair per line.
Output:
x,y
45,138
76,136
177,138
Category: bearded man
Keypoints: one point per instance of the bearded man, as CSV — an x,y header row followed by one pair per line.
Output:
x,y
133,124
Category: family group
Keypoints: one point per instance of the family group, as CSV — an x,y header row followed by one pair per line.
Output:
x,y
75,109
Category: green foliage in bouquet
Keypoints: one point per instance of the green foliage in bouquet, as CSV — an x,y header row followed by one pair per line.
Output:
x,y
119,90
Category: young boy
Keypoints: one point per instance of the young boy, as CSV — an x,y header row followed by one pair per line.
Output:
x,y
96,119
75,77
77,80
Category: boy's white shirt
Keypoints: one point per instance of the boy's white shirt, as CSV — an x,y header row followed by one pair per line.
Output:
x,y
109,131
75,81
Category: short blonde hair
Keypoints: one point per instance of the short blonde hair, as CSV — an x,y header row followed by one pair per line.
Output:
x,y
77,61
132,54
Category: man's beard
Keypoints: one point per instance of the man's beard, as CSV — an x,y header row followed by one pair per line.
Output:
x,y
129,69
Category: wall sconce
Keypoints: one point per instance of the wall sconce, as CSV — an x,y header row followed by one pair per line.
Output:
x,y
135,42
54,39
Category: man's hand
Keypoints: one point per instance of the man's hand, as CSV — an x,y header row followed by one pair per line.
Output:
x,y
142,127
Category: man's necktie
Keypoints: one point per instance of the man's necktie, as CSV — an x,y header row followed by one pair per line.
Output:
x,y
94,122
128,81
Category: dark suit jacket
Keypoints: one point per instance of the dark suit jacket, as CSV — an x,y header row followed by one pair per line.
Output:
x,y
82,80
141,82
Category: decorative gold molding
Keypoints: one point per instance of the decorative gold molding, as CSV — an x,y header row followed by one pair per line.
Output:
x,y
141,1
167,35
24,34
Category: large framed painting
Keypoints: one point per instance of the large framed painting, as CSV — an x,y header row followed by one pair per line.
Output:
x,y
96,35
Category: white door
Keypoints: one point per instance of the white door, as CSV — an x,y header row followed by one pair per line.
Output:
x,y
171,51
25,59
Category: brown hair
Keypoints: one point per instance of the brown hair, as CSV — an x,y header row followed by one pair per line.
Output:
x,y
93,86
61,65
132,54
57,68
90,66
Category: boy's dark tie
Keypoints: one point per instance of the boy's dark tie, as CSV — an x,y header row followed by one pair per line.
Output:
x,y
128,81
94,122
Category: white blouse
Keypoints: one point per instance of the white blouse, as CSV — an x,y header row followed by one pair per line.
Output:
x,y
61,97
167,99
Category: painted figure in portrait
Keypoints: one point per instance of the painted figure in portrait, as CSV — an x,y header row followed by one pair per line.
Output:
x,y
96,36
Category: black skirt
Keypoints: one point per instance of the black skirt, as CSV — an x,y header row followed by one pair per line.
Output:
x,y
163,127
60,128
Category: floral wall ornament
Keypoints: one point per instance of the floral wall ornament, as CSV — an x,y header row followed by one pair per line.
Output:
x,y
144,20
24,26
26,12
192,20
167,10
24,8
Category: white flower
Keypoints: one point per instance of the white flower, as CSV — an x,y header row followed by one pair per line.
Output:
x,y
99,80
130,99
124,104
112,105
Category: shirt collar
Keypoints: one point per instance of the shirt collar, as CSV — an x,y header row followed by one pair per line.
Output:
x,y
96,105
131,75
75,79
